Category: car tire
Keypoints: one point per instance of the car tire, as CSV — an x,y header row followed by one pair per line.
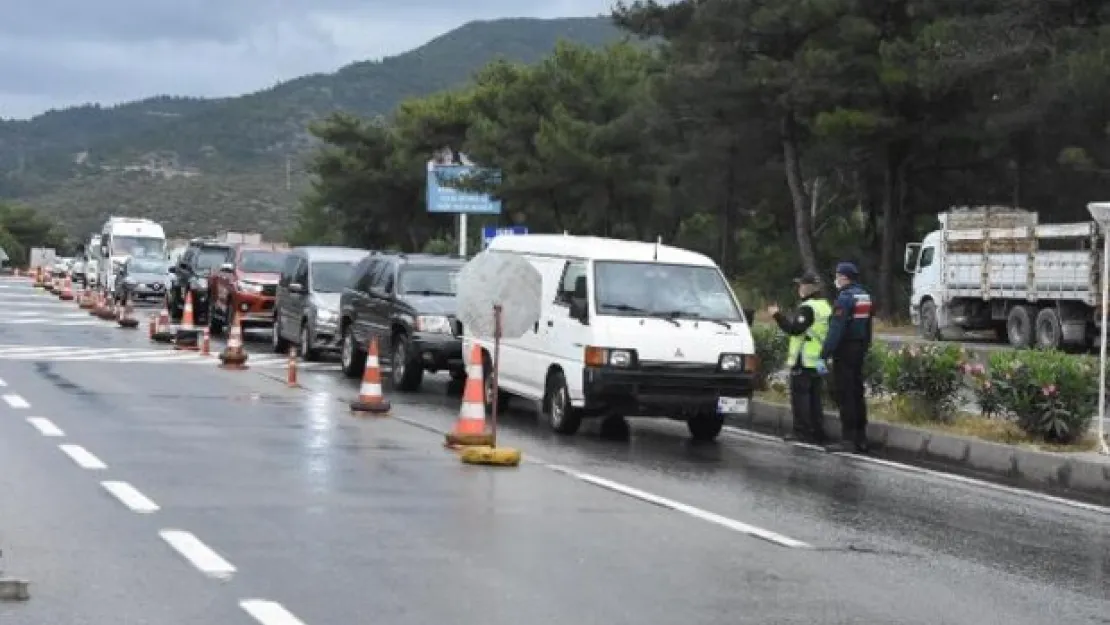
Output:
x,y
705,427
307,351
561,414
405,372
351,358
503,397
277,342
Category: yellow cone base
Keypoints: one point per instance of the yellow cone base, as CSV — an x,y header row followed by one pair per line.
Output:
x,y
456,439
14,589
129,324
379,407
491,456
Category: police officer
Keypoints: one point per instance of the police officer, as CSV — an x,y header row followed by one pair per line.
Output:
x,y
807,328
847,343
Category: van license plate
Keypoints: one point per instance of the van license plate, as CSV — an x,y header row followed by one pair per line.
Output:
x,y
732,405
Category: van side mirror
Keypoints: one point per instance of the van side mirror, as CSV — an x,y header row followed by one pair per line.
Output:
x,y
296,287
579,309
579,288
749,315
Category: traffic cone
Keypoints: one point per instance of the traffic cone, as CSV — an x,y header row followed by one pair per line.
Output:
x,y
186,335
291,373
163,331
470,429
66,294
205,343
108,309
370,398
39,282
85,302
127,317
234,356
151,325
97,304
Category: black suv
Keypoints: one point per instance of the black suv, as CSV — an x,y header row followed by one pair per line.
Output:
x,y
408,303
198,261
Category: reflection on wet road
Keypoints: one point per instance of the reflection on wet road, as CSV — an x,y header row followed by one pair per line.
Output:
x,y
229,498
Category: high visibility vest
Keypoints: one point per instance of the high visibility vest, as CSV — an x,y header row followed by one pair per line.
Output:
x,y
809,344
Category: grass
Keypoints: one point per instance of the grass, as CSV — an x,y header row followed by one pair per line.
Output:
x,y
963,424
894,328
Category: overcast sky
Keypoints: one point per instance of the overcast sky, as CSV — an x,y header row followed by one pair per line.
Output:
x,y
57,53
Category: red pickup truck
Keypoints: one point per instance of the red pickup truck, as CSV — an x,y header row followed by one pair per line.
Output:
x,y
246,283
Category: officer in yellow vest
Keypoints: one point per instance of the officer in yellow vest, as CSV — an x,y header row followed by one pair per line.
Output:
x,y
807,327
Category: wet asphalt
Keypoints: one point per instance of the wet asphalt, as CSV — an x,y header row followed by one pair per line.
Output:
x,y
303,511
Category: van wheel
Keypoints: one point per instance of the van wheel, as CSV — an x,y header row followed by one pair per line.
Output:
x,y
561,415
1050,332
1019,326
705,426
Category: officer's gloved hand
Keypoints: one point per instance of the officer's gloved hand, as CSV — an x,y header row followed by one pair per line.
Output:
x,y
822,368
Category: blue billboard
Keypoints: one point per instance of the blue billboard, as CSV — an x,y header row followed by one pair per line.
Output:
x,y
445,199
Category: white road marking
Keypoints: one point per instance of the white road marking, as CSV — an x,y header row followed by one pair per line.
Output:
x,y
198,554
83,457
940,475
698,513
45,426
269,612
130,497
15,401
3,383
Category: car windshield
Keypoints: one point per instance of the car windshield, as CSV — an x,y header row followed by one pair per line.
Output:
x,y
662,290
148,265
138,247
262,262
210,258
331,277
429,281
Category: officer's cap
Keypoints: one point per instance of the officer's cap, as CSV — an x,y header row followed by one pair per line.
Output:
x,y
809,278
847,269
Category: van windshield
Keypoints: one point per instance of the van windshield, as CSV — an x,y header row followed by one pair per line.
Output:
x,y
627,289
139,247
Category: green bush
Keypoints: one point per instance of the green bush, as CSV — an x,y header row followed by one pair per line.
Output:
x,y
925,380
770,348
1050,395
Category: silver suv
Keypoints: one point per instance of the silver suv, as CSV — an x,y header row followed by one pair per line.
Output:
x,y
306,311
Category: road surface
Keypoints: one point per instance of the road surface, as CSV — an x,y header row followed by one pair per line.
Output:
x,y
143,486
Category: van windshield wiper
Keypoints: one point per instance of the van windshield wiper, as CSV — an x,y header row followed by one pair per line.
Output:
x,y
427,293
636,309
674,314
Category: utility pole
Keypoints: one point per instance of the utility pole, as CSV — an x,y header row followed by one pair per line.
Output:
x,y
288,173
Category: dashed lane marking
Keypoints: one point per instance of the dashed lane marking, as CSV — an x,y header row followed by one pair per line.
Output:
x,y
16,401
198,554
83,457
130,497
698,513
269,612
45,427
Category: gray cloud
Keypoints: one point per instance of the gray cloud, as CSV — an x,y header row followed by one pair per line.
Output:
x,y
56,53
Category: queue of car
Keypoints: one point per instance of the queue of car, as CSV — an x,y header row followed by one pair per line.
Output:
x,y
626,328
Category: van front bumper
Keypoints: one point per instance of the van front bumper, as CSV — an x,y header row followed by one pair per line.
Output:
x,y
671,391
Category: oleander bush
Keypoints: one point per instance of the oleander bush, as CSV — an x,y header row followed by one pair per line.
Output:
x,y
924,380
1051,396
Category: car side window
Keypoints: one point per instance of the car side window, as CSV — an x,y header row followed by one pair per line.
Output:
x,y
571,273
288,270
301,276
366,276
389,273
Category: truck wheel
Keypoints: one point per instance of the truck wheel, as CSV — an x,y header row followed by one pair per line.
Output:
x,y
561,415
930,329
1050,332
1019,326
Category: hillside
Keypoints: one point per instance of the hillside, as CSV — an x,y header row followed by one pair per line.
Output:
x,y
204,164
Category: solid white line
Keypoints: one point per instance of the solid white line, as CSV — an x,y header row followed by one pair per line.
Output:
x,y
269,612
15,401
698,513
130,497
83,457
45,426
940,475
198,554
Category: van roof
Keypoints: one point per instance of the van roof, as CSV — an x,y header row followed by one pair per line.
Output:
x,y
597,248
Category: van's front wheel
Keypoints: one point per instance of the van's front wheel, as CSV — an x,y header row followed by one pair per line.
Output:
x,y
561,415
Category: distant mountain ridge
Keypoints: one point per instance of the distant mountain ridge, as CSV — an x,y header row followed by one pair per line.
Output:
x,y
191,161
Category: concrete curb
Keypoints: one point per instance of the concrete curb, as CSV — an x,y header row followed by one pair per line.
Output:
x,y
1030,467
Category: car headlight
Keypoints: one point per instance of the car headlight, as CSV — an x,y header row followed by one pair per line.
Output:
x,y
731,362
326,316
129,281
609,357
249,287
435,324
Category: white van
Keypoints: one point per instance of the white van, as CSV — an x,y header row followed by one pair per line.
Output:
x,y
626,329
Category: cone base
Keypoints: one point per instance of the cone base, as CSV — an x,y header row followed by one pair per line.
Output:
x,y
491,456
458,439
234,361
85,305
162,337
106,315
66,297
380,406
130,324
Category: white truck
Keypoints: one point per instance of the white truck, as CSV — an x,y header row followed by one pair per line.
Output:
x,y
996,268
126,237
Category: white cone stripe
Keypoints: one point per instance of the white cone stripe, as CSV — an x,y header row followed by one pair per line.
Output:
x,y
472,412
474,372
369,388
372,361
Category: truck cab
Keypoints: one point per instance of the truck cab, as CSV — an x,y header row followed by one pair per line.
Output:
x,y
922,262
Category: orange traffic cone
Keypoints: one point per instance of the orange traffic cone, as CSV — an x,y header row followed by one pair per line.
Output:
x,y
370,398
85,301
162,331
127,317
470,429
107,309
291,372
234,356
205,343
186,335
67,290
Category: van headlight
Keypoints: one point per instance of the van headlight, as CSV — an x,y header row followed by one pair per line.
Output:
x,y
433,324
731,362
609,357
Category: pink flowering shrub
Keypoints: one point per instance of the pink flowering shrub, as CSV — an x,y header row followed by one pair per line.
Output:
x,y
1050,395
924,379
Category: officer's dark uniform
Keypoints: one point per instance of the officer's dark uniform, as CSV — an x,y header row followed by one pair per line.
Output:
x,y
807,326
848,342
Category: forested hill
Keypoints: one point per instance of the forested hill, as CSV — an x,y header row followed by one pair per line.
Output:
x,y
192,162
